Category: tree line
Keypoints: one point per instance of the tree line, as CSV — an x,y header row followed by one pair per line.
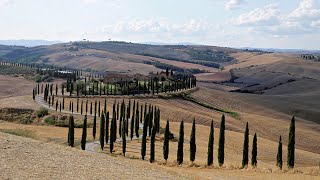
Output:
x,y
152,127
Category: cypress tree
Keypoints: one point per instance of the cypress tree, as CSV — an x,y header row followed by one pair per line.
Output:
x,y
137,122
105,104
57,105
84,134
107,127
81,108
71,131
102,131
279,154
144,139
221,141
152,145
193,147
210,145
245,157
114,126
291,144
141,112
166,142
124,142
127,123
118,111
112,133
91,107
33,94
254,151
94,129
86,107
180,144
132,126
150,123
77,104
99,110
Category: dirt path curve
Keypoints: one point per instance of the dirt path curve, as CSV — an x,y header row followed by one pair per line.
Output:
x,y
93,146
40,100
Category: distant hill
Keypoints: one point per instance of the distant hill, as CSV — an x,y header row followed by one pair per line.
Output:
x,y
124,56
28,43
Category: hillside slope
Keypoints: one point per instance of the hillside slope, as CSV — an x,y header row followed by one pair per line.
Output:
x,y
23,158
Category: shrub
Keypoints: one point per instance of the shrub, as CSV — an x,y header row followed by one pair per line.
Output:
x,y
50,120
42,112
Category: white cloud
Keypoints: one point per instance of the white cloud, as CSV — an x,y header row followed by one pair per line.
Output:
x,y
315,24
158,26
306,9
89,1
259,16
269,19
4,3
235,4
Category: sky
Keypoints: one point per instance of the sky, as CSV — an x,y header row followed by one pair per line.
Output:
x,y
288,24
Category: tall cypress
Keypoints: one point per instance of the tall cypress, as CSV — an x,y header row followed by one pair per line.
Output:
x,y
132,126
291,144
193,147
144,139
124,139
137,122
254,151
112,133
210,145
180,144
77,104
91,107
221,141
102,131
166,142
84,134
57,105
245,157
152,145
127,122
105,104
107,127
279,154
33,94
99,110
81,108
71,131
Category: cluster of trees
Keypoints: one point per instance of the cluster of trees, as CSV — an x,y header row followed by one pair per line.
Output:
x,y
4,63
124,116
310,56
93,87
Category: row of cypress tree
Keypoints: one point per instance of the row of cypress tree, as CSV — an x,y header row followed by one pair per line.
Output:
x,y
104,137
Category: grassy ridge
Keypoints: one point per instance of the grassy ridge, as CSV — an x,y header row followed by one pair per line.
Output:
x,y
20,132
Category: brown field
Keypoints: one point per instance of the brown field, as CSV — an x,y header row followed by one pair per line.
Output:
x,y
14,86
246,59
214,77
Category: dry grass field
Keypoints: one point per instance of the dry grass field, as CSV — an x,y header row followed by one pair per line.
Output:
x,y
268,115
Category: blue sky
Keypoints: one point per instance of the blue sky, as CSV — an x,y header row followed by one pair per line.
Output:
x,y
232,23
